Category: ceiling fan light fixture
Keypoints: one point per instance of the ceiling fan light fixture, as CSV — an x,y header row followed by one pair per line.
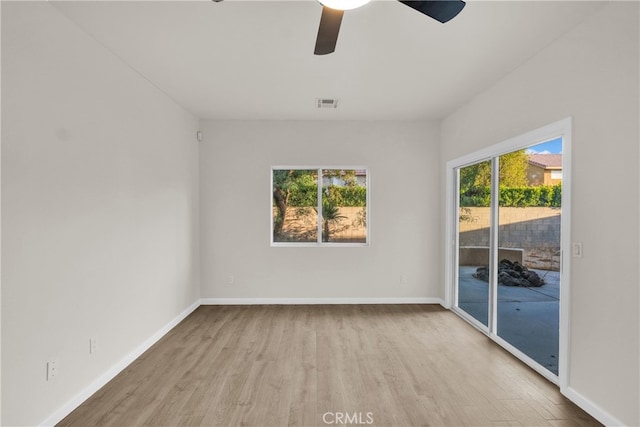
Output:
x,y
343,4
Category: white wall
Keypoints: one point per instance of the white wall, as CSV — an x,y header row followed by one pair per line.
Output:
x,y
99,210
0,229
591,74
235,165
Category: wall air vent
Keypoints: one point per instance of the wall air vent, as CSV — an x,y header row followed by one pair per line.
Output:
x,y
326,103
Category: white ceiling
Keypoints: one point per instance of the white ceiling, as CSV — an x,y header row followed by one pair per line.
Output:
x,y
254,59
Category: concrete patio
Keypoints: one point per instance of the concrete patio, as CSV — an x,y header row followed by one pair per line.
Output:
x,y
528,318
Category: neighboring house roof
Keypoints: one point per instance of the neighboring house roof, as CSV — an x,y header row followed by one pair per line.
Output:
x,y
546,161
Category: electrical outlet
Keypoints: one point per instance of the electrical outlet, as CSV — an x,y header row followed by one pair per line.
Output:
x,y
231,279
93,345
403,279
52,370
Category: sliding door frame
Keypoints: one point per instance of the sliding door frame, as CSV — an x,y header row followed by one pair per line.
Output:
x,y
561,128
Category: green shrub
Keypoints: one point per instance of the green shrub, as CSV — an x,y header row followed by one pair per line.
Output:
x,y
351,196
476,196
305,195
556,195
543,196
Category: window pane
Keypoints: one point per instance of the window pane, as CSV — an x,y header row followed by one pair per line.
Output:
x,y
344,206
474,221
530,215
295,205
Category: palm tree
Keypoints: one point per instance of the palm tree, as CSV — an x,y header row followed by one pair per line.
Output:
x,y
330,215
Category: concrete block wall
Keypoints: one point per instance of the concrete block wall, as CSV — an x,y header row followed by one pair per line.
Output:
x,y
536,230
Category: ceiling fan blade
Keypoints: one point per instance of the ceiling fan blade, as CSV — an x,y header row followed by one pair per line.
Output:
x,y
328,30
440,10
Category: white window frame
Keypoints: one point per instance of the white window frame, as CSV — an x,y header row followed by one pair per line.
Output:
x,y
561,128
319,242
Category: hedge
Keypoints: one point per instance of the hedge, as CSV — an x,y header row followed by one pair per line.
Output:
x,y
543,195
353,196
302,195
307,195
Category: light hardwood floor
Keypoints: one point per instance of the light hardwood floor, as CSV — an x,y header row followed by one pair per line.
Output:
x,y
395,365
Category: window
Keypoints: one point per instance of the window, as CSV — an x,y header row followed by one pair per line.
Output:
x,y
319,206
556,174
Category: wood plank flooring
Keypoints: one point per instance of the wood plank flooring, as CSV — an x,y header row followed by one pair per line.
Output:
x,y
383,365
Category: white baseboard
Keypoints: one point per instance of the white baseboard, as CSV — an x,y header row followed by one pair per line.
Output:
x,y
591,408
103,379
317,301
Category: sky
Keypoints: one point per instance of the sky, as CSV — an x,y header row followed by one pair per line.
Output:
x,y
551,147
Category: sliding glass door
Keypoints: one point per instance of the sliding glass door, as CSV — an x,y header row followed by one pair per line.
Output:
x,y
528,272
474,236
507,262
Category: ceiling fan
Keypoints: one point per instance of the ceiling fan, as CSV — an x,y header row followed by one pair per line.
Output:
x,y
332,11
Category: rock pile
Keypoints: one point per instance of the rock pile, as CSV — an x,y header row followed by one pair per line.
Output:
x,y
511,274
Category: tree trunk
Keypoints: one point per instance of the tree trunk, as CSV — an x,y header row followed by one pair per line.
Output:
x,y
281,205
325,235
